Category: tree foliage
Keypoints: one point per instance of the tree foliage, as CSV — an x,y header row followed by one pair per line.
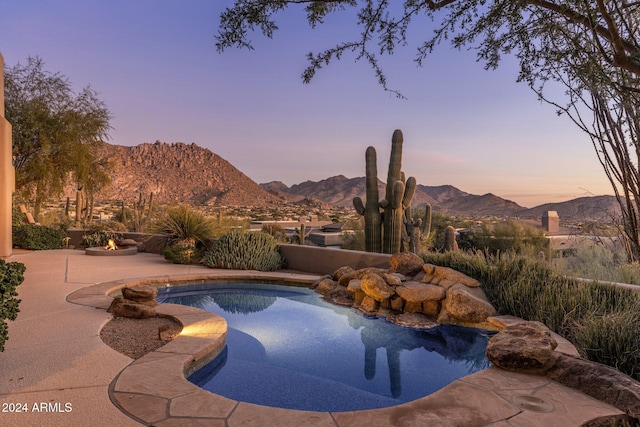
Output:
x,y
56,132
590,50
493,28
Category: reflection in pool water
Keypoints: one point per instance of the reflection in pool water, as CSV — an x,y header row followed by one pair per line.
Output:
x,y
286,347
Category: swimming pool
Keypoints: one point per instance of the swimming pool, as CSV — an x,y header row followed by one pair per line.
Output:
x,y
288,348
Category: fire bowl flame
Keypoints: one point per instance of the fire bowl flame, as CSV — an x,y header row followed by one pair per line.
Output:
x,y
116,251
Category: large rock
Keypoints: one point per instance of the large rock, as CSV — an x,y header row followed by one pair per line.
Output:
x,y
420,292
598,381
468,305
447,273
342,271
347,277
340,296
406,263
394,279
121,307
375,287
324,286
526,347
143,294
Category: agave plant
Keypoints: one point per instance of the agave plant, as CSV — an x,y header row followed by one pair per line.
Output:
x,y
184,226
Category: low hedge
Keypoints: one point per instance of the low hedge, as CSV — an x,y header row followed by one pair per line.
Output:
x,y
37,237
11,275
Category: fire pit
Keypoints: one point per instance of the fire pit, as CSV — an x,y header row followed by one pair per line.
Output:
x,y
111,249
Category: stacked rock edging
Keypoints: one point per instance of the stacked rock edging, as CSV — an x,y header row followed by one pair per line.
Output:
x,y
530,347
410,293
136,302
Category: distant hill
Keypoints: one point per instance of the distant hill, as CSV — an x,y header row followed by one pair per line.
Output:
x,y
189,173
595,208
485,205
180,172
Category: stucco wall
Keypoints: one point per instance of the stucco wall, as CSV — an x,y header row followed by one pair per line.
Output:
x,y
313,259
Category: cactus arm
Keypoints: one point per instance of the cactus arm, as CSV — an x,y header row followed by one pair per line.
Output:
x,y
358,205
425,227
394,220
370,209
409,191
395,163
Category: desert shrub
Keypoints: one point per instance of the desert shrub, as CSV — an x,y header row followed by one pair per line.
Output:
x,y
11,275
99,233
533,290
599,261
241,250
37,237
184,252
183,223
611,339
276,231
187,230
505,236
353,236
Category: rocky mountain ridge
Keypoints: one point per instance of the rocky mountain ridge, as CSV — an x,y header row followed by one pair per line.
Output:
x,y
189,173
179,172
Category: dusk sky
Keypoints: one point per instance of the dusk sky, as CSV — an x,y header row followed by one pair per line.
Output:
x,y
155,65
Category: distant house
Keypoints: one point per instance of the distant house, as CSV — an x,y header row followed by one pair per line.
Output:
x,y
551,222
321,233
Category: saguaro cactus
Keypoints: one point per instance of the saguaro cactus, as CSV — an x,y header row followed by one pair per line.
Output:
x,y
398,197
450,243
418,229
371,211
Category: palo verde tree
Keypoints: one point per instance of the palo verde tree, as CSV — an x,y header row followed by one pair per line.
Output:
x,y
588,48
56,132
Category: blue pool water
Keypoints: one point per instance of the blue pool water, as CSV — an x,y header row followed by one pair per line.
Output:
x,y
288,348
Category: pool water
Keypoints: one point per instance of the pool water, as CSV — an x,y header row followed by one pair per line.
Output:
x,y
288,348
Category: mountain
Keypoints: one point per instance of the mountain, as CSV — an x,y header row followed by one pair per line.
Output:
x,y
485,205
442,193
179,172
189,173
595,208
340,191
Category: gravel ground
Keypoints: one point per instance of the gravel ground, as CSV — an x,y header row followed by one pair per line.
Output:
x,y
137,337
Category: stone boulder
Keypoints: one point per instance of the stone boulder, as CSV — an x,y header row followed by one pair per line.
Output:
x,y
121,307
449,274
342,271
527,347
324,286
601,382
375,287
468,305
145,295
406,263
420,292
347,277
394,279
340,296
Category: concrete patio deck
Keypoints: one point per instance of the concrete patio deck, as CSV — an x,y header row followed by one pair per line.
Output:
x,y
58,372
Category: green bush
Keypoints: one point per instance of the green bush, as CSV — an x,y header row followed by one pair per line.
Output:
x,y
98,234
11,275
183,254
241,250
37,237
505,236
590,315
611,339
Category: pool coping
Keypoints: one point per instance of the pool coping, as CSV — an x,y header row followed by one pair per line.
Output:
x,y
153,389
